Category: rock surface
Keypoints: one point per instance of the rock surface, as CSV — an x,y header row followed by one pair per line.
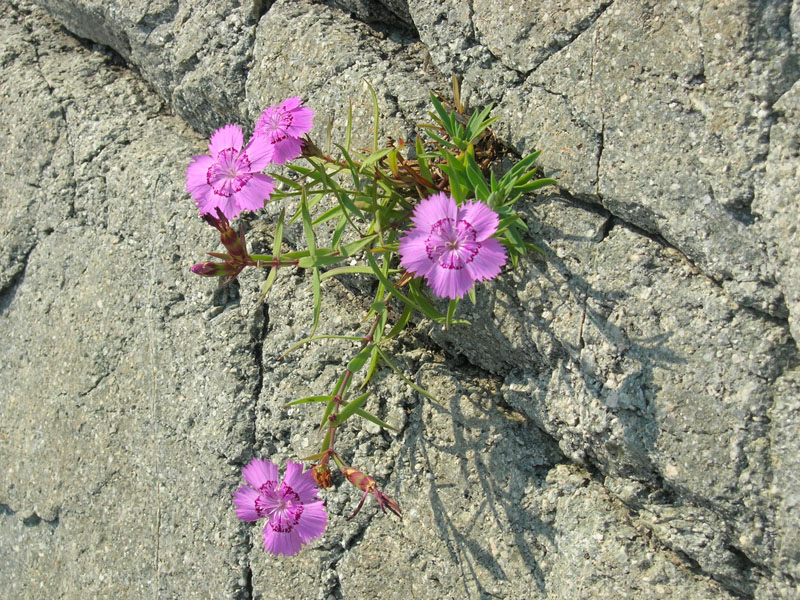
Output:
x,y
619,422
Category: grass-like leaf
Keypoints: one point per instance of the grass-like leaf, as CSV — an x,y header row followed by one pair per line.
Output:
x,y
309,399
350,408
370,417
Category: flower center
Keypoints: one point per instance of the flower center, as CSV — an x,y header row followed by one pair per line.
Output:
x,y
230,172
452,244
276,124
286,511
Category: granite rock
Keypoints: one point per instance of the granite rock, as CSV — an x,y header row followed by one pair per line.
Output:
x,y
620,419
195,55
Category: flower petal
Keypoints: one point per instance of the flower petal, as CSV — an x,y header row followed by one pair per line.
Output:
x,y
290,104
302,484
433,209
255,193
245,501
197,175
482,218
449,283
414,254
259,152
280,541
488,261
302,121
226,205
229,136
261,474
286,150
313,521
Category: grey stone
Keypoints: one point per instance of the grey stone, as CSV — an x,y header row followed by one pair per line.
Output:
x,y
328,66
662,114
392,13
446,28
113,384
644,368
777,202
195,55
615,423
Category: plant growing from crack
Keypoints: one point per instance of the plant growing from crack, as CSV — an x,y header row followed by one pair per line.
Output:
x,y
436,211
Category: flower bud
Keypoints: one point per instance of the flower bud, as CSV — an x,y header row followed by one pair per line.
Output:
x,y
367,484
216,269
233,242
322,475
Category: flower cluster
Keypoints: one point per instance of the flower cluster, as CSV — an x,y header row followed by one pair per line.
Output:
x,y
439,211
230,177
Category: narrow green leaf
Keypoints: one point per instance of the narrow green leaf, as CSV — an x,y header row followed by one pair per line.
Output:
x,y
309,399
444,117
354,247
351,165
375,157
370,417
476,178
534,185
319,261
336,239
421,303
521,167
277,241
329,214
295,185
391,288
308,228
355,365
480,129
441,141
373,365
345,271
401,322
267,285
408,382
326,443
313,457
329,408
422,162
349,129
451,310
376,117
348,409
317,287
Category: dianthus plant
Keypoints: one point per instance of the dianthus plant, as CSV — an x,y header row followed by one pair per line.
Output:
x,y
427,221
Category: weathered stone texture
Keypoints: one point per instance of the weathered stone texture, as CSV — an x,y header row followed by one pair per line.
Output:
x,y
663,116
620,420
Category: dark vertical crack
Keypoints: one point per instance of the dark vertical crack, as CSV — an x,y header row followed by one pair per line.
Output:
x,y
247,592
9,288
601,141
259,334
260,8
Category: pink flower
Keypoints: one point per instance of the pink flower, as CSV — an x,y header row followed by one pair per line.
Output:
x,y
295,515
450,245
283,125
230,178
